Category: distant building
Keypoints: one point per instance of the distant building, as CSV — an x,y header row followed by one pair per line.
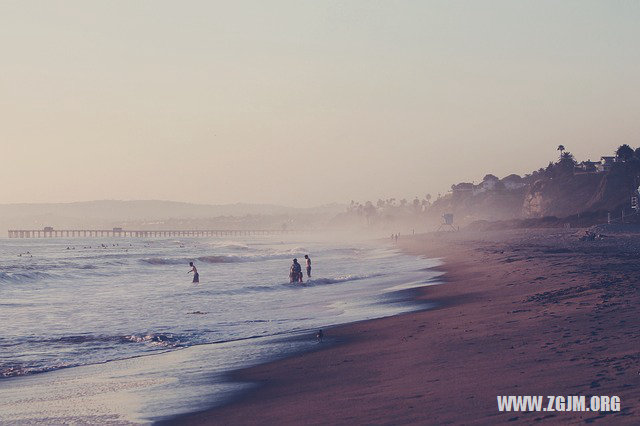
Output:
x,y
48,228
605,163
587,167
462,187
513,181
489,182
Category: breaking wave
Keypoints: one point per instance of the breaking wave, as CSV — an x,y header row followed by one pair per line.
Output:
x,y
231,246
13,370
221,258
25,277
153,341
310,283
163,261
341,279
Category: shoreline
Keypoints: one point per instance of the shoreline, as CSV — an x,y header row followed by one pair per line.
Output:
x,y
531,312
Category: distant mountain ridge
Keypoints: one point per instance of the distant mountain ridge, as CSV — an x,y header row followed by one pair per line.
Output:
x,y
107,213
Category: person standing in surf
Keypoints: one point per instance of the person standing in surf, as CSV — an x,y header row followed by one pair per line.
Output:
x,y
196,276
295,273
308,261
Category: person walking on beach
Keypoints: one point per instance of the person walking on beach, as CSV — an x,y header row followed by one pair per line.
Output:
x,y
196,276
308,261
295,273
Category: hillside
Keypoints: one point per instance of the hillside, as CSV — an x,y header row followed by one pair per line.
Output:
x,y
563,189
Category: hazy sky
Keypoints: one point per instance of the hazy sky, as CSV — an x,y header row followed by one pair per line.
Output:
x,y
305,102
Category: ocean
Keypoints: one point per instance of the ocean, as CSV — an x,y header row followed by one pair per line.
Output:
x,y
113,330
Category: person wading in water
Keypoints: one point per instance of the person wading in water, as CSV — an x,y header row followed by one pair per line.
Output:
x,y
196,276
308,261
295,273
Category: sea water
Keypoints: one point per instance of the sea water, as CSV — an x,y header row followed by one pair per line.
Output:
x,y
113,329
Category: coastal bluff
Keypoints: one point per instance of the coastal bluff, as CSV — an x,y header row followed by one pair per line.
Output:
x,y
561,190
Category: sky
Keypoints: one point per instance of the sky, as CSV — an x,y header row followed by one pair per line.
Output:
x,y
305,102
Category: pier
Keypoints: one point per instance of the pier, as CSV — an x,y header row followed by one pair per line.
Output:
x,y
50,232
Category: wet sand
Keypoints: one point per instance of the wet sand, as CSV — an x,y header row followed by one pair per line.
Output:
x,y
533,312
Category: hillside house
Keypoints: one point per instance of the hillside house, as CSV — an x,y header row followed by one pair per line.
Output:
x,y
489,182
513,181
606,163
462,187
586,167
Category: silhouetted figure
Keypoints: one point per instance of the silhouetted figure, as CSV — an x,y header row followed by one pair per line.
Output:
x,y
319,336
308,261
196,276
295,272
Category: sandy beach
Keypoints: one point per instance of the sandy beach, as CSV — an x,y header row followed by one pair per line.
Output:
x,y
532,312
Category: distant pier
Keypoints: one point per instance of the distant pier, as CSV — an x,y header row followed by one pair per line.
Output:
x,y
50,232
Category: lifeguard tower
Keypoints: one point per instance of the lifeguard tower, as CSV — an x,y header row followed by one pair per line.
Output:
x,y
447,223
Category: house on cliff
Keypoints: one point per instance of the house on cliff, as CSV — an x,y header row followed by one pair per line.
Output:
x,y
513,181
462,188
586,167
606,163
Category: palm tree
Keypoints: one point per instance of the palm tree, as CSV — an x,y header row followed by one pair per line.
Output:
x,y
416,203
561,149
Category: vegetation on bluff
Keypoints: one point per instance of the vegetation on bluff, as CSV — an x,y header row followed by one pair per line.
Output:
x,y
565,188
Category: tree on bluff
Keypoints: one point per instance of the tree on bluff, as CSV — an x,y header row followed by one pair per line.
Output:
x,y
624,152
565,165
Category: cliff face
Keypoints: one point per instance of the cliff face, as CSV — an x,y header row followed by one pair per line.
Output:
x,y
549,194
615,190
578,193
561,196
497,204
